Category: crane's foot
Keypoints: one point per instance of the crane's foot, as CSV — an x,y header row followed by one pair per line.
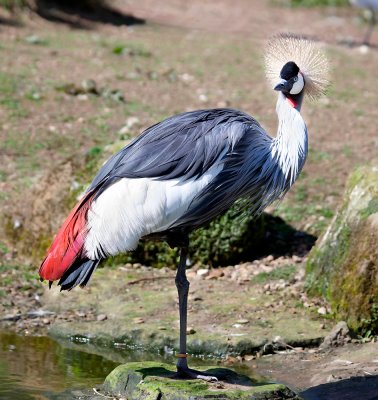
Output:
x,y
188,373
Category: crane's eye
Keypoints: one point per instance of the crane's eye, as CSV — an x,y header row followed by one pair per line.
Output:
x,y
295,78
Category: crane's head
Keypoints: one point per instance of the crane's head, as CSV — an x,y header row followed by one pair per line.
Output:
x,y
292,81
294,65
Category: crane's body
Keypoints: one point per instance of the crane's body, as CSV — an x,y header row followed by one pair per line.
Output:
x,y
179,175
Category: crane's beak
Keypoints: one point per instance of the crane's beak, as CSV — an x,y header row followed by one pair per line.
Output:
x,y
283,86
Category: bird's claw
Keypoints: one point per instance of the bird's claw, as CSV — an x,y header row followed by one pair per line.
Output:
x,y
188,373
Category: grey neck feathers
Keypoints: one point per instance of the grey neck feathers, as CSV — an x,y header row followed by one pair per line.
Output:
x,y
289,148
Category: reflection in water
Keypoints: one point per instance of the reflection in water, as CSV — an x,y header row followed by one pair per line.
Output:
x,y
37,367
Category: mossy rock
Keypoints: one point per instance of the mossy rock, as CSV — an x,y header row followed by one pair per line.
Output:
x,y
343,266
156,381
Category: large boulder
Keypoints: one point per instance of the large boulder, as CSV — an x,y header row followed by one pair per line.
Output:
x,y
153,381
343,266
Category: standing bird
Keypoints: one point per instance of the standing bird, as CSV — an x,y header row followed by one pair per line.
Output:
x,y
181,173
371,5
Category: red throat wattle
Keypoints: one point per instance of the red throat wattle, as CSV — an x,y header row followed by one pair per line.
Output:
x,y
292,102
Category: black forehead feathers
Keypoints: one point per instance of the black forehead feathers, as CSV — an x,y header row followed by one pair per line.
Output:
x,y
289,70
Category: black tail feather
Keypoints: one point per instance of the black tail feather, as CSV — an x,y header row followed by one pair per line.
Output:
x,y
78,274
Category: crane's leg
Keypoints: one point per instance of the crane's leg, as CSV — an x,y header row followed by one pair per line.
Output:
x,y
182,284
370,28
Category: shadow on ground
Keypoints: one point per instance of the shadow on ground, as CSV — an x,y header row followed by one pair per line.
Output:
x,y
356,388
222,374
78,14
282,239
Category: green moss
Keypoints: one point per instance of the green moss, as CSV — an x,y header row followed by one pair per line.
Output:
x,y
287,272
151,380
322,262
343,266
372,208
229,239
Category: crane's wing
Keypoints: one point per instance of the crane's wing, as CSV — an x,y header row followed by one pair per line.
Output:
x,y
183,146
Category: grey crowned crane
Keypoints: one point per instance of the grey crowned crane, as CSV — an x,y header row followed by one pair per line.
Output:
x,y
371,5
181,173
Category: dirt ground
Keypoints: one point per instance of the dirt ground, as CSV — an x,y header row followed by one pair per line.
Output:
x,y
55,131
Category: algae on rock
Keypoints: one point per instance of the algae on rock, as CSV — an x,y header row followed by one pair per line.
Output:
x,y
343,266
153,381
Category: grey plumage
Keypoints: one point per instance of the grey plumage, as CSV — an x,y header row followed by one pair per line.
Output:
x,y
187,145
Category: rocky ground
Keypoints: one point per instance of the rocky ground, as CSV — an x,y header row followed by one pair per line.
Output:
x,y
267,323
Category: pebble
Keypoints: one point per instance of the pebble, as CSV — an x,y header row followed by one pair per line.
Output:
x,y
215,274
186,77
223,104
242,321
190,331
203,98
101,317
341,362
138,320
203,272
39,313
322,310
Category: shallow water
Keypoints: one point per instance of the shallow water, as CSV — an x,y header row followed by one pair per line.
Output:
x,y
40,368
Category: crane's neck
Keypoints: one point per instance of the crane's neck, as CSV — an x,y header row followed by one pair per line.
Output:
x,y
289,148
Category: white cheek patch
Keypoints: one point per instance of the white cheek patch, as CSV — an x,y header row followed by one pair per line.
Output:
x,y
298,85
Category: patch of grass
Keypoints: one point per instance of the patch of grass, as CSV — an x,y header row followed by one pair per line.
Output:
x,y
13,5
319,181
347,151
9,86
285,273
131,49
3,248
298,212
36,40
33,95
359,113
3,176
369,327
301,193
318,155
